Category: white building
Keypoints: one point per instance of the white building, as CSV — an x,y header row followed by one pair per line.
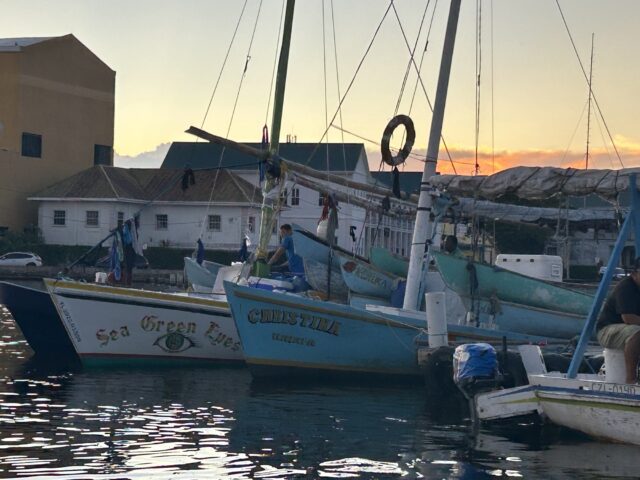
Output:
x,y
221,208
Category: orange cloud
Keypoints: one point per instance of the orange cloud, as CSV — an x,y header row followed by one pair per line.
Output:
x,y
464,159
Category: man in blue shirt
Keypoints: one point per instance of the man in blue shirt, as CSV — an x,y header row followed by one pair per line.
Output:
x,y
294,262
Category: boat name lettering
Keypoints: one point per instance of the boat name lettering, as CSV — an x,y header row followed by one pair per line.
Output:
x,y
150,323
265,315
104,337
217,337
307,342
613,388
70,322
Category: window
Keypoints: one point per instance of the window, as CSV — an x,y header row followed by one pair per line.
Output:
x,y
31,145
321,197
162,221
102,155
295,196
60,217
120,219
215,223
252,224
283,197
92,218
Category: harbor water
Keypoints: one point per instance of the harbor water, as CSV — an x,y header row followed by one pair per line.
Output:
x,y
65,422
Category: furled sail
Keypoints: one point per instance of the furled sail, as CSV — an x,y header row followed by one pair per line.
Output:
x,y
537,183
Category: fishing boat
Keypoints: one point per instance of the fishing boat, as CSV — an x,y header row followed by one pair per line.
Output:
x,y
599,405
365,279
331,283
36,316
389,262
201,277
473,280
113,325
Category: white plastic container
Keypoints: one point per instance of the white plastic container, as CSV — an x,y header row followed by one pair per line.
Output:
x,y
101,277
436,319
615,370
544,267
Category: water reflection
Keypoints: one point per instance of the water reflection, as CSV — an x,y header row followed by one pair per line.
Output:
x,y
215,423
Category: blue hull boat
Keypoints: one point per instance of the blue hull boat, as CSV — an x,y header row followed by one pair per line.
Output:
x,y
37,317
284,334
291,335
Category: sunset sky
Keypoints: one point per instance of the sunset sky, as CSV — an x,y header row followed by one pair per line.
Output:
x,y
168,54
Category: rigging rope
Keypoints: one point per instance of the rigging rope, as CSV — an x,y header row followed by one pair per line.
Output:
x,y
424,90
233,112
275,64
584,73
478,76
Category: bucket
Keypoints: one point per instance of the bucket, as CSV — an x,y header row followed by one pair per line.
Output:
x,y
101,277
615,370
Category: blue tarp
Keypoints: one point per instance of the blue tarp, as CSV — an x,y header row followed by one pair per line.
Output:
x,y
474,360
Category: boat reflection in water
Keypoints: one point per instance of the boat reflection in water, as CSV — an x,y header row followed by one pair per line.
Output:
x,y
217,423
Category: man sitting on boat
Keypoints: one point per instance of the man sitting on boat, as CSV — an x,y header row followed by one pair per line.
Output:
x,y
294,264
619,321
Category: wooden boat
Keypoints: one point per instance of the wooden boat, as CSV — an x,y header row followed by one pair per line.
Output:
x,y
291,335
310,246
201,277
363,278
317,275
112,325
494,282
37,317
598,405
389,262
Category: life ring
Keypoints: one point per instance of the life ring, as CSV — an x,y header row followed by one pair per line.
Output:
x,y
408,144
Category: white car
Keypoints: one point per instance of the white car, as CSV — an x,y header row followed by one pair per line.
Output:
x,y
618,273
20,259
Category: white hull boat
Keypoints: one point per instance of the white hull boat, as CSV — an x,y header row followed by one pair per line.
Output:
x,y
109,325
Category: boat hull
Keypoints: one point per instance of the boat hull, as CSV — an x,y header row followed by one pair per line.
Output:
x,y
389,262
286,334
37,317
317,273
365,279
510,286
600,409
110,325
202,276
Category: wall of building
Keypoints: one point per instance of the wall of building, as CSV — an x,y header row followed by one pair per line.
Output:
x,y
184,223
63,92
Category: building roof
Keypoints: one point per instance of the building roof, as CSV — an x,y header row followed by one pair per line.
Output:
x,y
16,44
162,185
342,157
409,181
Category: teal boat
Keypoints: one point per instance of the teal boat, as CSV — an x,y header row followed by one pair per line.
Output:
x,y
365,279
491,282
389,262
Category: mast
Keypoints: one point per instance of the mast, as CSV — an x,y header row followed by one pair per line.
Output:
x,y
268,202
424,225
586,157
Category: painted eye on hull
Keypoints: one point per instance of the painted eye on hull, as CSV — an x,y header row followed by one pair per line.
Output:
x,y
174,342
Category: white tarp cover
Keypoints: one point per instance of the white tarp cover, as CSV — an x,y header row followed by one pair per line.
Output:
x,y
537,183
519,213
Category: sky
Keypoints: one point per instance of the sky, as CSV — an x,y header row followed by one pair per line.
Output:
x,y
533,94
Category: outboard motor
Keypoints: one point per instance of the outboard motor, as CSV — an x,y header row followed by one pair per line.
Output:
x,y
475,370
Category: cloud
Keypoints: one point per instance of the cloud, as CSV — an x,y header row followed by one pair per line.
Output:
x,y
464,159
150,159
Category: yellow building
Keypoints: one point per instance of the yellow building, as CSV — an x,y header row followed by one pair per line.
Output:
x,y
56,119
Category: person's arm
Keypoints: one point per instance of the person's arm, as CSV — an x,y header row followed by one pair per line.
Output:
x,y
277,254
631,318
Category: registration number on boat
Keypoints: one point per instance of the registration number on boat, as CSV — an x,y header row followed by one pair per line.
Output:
x,y
613,388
